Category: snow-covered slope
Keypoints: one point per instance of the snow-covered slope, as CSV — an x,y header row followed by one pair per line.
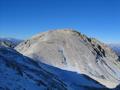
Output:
x,y
18,72
71,51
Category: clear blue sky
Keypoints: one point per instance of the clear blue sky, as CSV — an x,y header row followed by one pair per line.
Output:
x,y
24,18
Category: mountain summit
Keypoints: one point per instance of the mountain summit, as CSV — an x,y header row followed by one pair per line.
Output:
x,y
72,51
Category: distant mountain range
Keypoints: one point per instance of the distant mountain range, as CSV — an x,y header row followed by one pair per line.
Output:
x,y
9,42
115,48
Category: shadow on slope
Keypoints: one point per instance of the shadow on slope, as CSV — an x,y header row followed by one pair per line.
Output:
x,y
117,88
74,80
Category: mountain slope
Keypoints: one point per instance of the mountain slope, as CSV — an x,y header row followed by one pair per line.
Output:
x,y
69,50
18,72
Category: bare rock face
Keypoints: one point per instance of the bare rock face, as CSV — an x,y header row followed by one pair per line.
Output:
x,y
70,50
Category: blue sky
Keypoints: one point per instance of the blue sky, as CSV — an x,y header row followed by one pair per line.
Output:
x,y
95,18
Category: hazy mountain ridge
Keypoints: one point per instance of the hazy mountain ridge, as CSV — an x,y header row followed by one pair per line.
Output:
x,y
9,42
115,48
70,50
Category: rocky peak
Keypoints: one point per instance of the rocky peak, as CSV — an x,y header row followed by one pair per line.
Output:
x,y
73,51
